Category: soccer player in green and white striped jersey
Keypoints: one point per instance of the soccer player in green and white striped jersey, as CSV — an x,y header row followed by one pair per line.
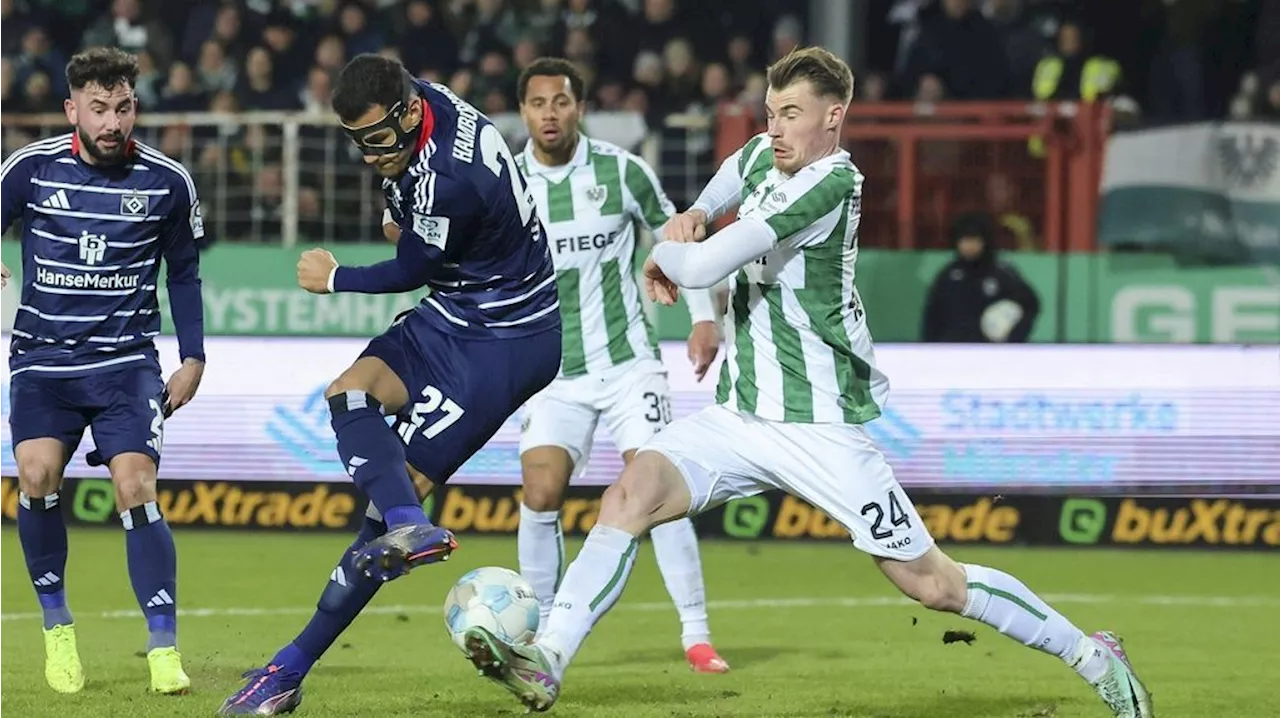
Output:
x,y
799,383
590,195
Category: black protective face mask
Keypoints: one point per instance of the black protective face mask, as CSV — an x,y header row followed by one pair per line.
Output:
x,y
386,136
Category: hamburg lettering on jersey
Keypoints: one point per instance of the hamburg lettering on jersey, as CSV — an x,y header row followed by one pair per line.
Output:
x,y
468,231
92,243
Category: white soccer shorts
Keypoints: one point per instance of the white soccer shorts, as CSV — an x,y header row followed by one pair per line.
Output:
x,y
632,398
725,455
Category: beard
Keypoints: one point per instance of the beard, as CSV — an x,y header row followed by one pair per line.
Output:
x,y
100,156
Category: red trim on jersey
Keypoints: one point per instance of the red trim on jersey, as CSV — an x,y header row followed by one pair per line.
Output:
x,y
130,147
428,125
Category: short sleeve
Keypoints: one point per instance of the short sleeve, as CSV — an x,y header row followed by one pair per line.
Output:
x,y
648,202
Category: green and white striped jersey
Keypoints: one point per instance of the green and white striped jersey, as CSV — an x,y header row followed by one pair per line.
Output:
x,y
589,208
798,345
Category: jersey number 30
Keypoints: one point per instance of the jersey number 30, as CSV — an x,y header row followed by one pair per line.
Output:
x,y
495,153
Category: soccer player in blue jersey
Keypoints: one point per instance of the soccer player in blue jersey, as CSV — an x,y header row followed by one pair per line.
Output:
x,y
454,368
99,211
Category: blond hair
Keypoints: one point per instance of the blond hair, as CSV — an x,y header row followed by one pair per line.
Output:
x,y
829,75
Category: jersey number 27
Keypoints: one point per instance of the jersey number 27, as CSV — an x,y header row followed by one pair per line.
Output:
x,y
495,153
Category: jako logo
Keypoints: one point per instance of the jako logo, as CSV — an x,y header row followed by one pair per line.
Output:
x,y
896,436
306,434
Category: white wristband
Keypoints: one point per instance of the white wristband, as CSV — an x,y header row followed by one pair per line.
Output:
x,y
332,273
386,217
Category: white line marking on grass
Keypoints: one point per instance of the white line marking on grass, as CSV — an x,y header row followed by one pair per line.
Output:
x,y
723,605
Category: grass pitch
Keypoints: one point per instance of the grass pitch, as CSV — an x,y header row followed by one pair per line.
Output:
x,y
810,630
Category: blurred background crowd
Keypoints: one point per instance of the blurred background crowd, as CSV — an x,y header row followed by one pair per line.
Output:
x,y
1178,59
1159,61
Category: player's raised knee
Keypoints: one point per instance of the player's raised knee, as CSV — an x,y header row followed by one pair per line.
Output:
x,y
649,492
344,384
369,377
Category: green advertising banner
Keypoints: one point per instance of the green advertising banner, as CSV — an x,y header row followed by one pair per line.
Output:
x,y
250,290
1150,299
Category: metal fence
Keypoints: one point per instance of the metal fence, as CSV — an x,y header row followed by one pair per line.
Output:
x,y
288,177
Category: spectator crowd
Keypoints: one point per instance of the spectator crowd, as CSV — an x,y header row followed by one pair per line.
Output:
x,y
1168,60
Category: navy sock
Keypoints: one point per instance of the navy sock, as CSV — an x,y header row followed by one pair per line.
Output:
x,y
346,594
43,534
153,571
374,457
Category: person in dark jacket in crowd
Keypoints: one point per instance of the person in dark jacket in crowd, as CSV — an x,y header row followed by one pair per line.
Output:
x,y
977,298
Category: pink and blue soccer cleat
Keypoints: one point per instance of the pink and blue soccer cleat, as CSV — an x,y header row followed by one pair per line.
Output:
x,y
392,554
270,691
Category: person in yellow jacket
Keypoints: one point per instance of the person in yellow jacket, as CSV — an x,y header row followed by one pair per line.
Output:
x,y
1072,74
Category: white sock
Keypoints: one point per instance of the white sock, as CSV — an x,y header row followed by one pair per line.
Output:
x,y
675,544
540,546
1004,603
1089,659
591,586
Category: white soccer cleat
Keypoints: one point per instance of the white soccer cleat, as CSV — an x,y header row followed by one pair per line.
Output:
x,y
1119,687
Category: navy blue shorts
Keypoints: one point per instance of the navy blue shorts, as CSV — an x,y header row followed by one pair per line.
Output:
x,y
461,391
124,408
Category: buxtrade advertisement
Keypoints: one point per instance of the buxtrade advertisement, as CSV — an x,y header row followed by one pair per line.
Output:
x,y
1087,419
951,518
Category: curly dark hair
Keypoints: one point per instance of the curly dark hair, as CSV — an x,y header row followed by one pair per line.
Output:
x,y
105,67
551,67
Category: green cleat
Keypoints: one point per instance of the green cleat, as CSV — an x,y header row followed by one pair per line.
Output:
x,y
1119,687
62,667
167,676
522,669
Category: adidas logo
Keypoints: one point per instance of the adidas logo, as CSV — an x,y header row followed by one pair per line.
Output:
x,y
162,598
338,576
50,578
355,463
58,200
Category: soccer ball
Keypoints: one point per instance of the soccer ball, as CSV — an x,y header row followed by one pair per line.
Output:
x,y
494,598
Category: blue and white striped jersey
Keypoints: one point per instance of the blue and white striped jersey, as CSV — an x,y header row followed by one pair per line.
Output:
x,y
92,241
469,231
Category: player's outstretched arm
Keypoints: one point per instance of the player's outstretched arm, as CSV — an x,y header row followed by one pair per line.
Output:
x,y
320,273
4,276
704,264
436,210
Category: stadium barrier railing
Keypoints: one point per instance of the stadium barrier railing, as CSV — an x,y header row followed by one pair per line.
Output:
x,y
290,177
285,177
1035,166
